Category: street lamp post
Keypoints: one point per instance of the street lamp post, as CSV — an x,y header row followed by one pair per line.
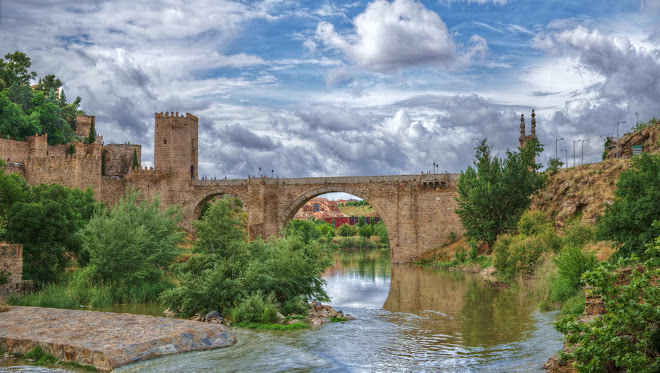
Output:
x,y
583,141
433,167
574,141
557,139
617,137
565,157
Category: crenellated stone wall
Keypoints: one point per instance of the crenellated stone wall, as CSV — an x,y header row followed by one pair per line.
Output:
x,y
79,171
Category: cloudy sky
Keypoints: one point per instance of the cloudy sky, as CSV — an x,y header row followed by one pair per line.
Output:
x,y
319,88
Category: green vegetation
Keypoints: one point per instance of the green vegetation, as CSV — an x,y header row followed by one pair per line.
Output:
x,y
554,164
492,197
346,230
134,164
641,125
133,243
238,277
91,138
608,143
42,358
354,203
26,111
47,221
629,220
272,326
627,337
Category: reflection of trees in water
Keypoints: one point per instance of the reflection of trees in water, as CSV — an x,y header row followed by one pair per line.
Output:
x,y
494,316
368,263
457,304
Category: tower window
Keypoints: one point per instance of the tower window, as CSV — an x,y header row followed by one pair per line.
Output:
x,y
164,141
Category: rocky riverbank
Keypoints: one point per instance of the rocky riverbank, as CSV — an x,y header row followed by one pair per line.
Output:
x,y
102,339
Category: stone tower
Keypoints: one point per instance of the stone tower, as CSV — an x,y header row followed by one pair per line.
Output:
x,y
175,144
523,137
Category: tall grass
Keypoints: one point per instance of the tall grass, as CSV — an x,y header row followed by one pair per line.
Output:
x,y
74,294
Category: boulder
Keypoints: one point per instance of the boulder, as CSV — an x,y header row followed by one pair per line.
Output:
x,y
280,317
169,313
213,315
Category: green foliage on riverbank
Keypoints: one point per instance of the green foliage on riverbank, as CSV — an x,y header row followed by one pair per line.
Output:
x,y
627,336
272,326
226,272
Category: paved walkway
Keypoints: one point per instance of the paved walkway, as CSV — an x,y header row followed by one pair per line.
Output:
x,y
103,339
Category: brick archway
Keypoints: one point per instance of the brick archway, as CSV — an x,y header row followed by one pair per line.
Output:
x,y
200,202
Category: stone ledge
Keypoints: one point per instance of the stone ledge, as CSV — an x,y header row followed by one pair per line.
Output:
x,y
105,340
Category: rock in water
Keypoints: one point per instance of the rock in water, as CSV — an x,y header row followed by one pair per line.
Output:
x,y
213,315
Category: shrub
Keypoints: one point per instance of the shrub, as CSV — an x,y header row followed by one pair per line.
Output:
x,y
255,309
571,263
627,335
520,255
533,222
295,305
365,231
346,230
578,235
574,305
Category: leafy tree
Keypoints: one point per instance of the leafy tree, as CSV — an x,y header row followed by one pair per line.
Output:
x,y
48,83
554,164
492,197
226,269
304,228
135,160
381,231
346,230
91,138
626,337
13,123
360,221
13,189
47,223
133,242
629,220
14,69
365,231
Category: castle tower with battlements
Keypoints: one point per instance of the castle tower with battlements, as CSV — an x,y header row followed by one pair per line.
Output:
x,y
175,144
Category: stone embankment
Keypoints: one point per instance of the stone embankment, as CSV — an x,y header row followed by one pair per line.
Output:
x,y
102,339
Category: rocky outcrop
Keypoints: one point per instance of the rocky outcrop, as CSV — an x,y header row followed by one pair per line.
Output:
x,y
322,313
102,339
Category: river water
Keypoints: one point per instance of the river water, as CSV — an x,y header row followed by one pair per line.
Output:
x,y
407,319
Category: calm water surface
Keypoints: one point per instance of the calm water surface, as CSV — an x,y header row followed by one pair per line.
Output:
x,y
407,319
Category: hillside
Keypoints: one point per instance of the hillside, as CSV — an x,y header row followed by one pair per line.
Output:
x,y
582,191
648,138
358,210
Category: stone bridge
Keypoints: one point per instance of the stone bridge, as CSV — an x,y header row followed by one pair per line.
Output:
x,y
418,210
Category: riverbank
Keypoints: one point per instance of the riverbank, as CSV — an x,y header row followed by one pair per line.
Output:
x,y
102,339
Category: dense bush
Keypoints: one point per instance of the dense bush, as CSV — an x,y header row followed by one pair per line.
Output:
x,y
305,229
346,230
226,269
381,231
255,308
356,243
629,220
365,231
133,242
628,335
571,263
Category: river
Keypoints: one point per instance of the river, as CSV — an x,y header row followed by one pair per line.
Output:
x,y
407,319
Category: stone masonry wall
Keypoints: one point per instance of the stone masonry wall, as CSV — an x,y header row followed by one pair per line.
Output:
x,y
175,147
112,188
79,171
83,122
119,158
11,260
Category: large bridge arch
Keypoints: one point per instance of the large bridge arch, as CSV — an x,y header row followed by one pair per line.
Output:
x,y
208,195
289,212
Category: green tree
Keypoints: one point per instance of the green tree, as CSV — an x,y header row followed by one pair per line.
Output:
x,y
133,242
91,138
346,230
135,160
13,123
15,69
226,269
47,223
629,220
381,231
360,221
48,83
13,189
304,228
365,231
492,197
554,164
